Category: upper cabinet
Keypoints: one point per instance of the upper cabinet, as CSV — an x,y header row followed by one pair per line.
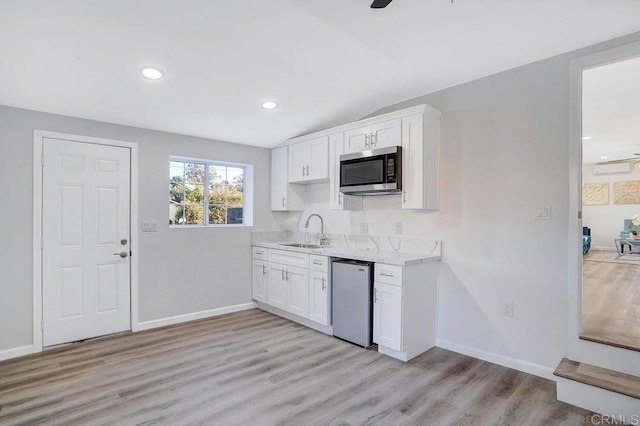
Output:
x,y
338,200
284,197
420,152
309,161
377,134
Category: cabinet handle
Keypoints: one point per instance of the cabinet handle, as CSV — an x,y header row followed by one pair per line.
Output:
x,y
374,136
283,275
340,199
387,275
286,275
404,197
259,252
324,287
303,171
264,270
282,201
366,140
307,170
375,296
315,262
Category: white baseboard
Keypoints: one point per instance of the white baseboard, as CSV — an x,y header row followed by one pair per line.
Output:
x,y
146,325
16,352
516,364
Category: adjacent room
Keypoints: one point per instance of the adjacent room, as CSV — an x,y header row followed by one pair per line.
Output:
x,y
298,212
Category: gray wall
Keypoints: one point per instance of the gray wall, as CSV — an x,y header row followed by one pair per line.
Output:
x,y
181,270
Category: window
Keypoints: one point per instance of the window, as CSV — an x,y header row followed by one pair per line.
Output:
x,y
207,193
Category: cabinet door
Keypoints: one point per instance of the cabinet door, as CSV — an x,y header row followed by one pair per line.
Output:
x,y
276,286
386,133
336,149
319,297
357,140
412,164
299,156
279,179
387,316
297,288
318,164
260,279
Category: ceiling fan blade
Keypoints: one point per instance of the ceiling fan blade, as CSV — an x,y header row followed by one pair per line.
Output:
x,y
380,4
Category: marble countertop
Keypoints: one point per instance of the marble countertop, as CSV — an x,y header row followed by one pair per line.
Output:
x,y
387,257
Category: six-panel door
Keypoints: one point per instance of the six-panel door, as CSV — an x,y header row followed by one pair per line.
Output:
x,y
85,232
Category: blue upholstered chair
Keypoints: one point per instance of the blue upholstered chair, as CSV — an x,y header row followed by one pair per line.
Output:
x,y
586,239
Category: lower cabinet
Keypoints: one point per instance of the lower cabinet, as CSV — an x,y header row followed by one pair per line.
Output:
x,y
297,288
319,297
294,282
260,280
404,309
277,287
387,315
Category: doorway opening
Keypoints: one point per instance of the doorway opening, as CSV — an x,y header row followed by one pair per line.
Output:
x,y
610,305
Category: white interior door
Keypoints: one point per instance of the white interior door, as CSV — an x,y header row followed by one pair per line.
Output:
x,y
85,235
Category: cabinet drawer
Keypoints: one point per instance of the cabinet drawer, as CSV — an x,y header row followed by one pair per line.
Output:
x,y
259,253
389,274
291,258
319,263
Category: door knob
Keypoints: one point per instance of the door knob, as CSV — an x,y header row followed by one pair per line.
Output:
x,y
122,254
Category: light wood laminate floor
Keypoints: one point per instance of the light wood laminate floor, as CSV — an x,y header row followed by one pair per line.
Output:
x,y
611,303
254,368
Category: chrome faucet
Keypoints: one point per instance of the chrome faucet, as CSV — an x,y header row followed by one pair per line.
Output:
x,y
323,238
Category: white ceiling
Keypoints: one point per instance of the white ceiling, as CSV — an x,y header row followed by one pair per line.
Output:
x,y
611,112
326,62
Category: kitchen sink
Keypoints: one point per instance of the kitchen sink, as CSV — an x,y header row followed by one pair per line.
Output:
x,y
301,245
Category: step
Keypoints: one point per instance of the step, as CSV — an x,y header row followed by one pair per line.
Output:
x,y
598,389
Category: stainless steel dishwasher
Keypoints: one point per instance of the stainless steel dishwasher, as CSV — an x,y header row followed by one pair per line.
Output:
x,y
351,298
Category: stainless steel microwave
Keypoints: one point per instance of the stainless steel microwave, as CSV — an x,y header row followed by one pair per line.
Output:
x,y
374,172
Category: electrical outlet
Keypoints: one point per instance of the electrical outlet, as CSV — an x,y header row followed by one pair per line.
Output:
x,y
149,226
508,309
364,228
398,227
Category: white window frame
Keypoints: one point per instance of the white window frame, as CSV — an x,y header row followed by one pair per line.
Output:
x,y
247,189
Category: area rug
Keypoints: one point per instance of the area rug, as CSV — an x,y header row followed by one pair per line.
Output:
x,y
612,257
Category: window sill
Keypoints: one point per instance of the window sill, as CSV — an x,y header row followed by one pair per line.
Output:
x,y
209,226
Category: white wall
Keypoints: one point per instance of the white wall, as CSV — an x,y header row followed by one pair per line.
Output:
x,y
504,152
607,221
181,270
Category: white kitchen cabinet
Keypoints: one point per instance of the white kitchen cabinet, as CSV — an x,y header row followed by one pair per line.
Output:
x,y
309,161
377,134
260,278
387,315
319,297
420,152
404,309
276,286
297,285
284,196
338,200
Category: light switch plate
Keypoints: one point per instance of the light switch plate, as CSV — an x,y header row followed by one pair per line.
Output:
x,y
149,226
542,213
364,228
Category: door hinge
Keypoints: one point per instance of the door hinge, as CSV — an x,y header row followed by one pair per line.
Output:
x,y
42,159
579,214
41,325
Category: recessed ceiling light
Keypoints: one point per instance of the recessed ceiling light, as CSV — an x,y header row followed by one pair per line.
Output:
x,y
604,157
586,138
152,73
269,105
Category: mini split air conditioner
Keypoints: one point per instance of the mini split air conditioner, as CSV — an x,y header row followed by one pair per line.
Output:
x,y
610,169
